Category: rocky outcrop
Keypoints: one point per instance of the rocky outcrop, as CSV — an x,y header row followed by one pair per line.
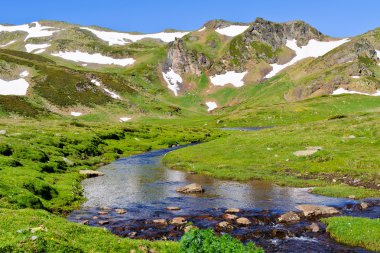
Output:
x,y
289,217
313,210
221,23
183,60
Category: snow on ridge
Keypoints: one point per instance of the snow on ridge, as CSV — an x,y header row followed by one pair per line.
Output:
x,y
119,38
173,80
341,91
314,48
232,30
97,58
17,87
211,106
24,74
35,31
9,43
202,29
230,77
32,47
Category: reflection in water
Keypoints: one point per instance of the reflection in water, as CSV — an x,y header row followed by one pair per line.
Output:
x,y
141,181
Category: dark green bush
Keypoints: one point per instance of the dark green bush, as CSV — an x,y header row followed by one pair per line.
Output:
x,y
28,201
42,189
205,241
5,149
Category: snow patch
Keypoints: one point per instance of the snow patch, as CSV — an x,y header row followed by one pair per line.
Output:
x,y
341,91
9,43
24,74
124,119
97,58
16,87
118,38
378,53
34,30
211,106
96,82
232,30
232,77
355,77
112,94
173,80
76,114
31,47
202,29
313,49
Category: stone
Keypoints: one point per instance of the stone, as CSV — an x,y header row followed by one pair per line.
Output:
x,y
224,225
120,211
308,152
191,188
352,197
243,221
102,213
313,210
289,217
34,237
314,227
173,208
178,221
364,205
2,132
228,216
84,222
95,217
160,222
232,210
91,173
103,222
67,161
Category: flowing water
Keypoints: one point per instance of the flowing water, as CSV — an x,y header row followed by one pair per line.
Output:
x,y
142,186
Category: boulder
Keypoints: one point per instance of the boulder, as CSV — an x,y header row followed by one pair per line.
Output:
x,y
289,217
84,222
313,210
160,222
224,225
191,188
103,222
232,210
314,227
173,208
91,173
364,205
228,216
103,213
178,221
120,211
308,152
243,221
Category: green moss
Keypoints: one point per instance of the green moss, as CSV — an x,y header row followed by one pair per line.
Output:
x,y
355,231
263,49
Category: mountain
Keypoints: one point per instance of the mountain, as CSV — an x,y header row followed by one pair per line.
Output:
x,y
55,69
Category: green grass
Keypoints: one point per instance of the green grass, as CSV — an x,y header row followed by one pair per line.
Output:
x,y
354,231
60,235
268,155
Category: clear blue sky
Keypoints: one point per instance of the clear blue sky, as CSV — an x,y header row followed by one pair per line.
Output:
x,y
333,17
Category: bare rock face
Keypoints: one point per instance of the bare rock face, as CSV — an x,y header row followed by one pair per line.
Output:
x,y
289,217
183,60
191,188
91,173
313,210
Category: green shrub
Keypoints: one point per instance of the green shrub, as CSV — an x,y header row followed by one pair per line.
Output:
x,y
5,149
28,201
205,241
42,189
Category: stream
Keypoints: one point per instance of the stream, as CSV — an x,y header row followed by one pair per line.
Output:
x,y
143,187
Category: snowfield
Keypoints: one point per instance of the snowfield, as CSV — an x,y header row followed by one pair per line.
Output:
x,y
97,58
17,87
211,106
34,30
173,80
118,38
313,49
9,43
232,30
32,47
341,91
230,77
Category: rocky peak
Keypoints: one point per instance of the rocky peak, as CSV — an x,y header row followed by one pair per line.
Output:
x,y
221,23
183,60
